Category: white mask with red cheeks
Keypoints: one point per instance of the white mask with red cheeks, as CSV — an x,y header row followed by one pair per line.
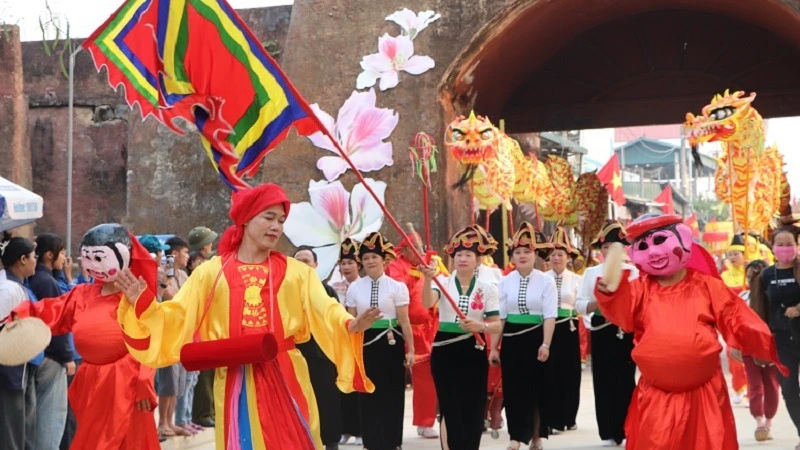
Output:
x,y
105,251
103,263
664,251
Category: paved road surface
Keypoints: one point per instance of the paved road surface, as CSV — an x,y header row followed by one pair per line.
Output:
x,y
585,437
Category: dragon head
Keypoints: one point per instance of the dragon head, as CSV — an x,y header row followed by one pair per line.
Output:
x,y
720,119
472,140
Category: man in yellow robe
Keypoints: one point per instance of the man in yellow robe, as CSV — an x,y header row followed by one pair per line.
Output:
x,y
244,296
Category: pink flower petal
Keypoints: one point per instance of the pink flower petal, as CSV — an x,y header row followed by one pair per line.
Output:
x,y
374,158
331,201
306,226
332,166
376,62
371,126
404,48
358,101
418,64
387,45
367,79
405,18
318,138
389,80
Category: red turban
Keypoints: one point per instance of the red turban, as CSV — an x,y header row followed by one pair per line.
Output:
x,y
246,204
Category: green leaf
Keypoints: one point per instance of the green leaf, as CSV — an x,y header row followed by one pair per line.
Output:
x,y
63,66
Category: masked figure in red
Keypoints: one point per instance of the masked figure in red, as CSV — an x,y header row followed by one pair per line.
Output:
x,y
675,310
112,394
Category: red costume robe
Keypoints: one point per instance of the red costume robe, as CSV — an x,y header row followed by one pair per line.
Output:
x,y
110,381
681,401
424,323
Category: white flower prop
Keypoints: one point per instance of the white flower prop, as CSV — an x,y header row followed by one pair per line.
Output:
x,y
395,55
333,215
360,129
412,23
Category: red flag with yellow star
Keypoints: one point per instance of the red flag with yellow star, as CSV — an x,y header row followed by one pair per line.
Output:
x,y
611,176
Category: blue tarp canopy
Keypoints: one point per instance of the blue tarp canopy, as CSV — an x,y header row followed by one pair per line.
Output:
x,y
18,206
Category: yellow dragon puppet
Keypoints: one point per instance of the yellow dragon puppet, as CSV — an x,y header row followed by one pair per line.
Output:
x,y
749,176
497,172
493,165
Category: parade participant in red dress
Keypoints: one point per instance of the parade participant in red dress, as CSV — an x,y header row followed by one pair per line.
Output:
x,y
424,323
675,308
112,394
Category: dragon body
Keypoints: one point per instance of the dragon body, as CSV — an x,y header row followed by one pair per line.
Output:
x,y
749,175
497,172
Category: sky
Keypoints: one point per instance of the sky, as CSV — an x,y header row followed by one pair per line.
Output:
x,y
84,16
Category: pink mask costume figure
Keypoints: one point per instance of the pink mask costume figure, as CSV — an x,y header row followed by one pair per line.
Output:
x,y
112,394
675,309
242,312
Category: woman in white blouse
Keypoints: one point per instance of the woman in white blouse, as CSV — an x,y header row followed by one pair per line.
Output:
x,y
460,369
382,411
528,309
565,395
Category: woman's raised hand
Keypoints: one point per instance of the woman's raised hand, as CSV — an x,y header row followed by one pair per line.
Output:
x,y
131,286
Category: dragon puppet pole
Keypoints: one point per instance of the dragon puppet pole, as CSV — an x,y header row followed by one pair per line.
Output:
x,y
480,343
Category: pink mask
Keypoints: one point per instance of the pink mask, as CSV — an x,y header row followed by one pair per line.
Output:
x,y
785,254
661,252
102,263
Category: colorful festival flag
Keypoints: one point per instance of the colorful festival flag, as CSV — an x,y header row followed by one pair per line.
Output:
x,y
197,60
611,176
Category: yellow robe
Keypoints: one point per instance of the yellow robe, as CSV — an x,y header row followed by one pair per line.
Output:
x,y
304,309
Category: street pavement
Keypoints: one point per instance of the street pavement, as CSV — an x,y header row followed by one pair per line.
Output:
x,y
585,437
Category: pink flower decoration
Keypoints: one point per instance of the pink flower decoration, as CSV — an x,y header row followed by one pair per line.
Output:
x,y
411,22
395,54
360,129
478,302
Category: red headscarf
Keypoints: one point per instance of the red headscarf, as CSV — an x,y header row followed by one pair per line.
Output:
x,y
246,204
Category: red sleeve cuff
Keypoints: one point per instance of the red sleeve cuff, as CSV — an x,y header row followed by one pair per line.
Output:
x,y
141,344
143,302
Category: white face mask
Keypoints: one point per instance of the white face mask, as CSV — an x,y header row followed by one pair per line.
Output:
x,y
103,263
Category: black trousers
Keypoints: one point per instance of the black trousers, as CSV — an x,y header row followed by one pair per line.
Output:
x,y
525,381
789,354
614,376
565,354
203,403
351,414
460,374
382,411
323,379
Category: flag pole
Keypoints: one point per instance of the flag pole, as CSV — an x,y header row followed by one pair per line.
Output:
x,y
480,343
70,129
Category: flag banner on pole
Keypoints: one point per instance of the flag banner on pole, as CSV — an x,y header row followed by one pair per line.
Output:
x,y
665,197
198,61
611,176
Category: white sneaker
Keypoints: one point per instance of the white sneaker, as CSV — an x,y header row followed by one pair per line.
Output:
x,y
358,441
583,366
737,398
427,432
608,443
345,440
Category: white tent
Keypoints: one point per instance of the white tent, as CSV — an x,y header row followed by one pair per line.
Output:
x,y
18,206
